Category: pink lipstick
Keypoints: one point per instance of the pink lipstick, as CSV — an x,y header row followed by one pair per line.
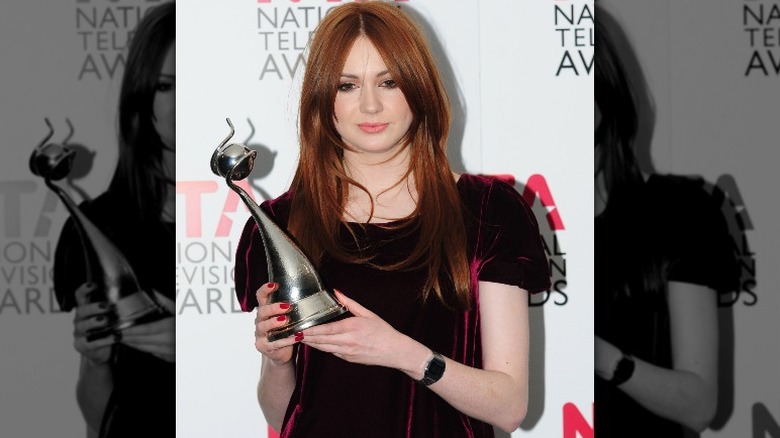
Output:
x,y
372,128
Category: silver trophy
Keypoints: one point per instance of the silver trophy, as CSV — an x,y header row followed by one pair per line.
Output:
x,y
116,281
299,284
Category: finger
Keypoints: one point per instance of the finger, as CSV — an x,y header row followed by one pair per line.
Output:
x,y
86,347
84,294
159,327
263,345
354,307
81,327
329,329
165,302
148,340
87,311
271,310
262,328
264,292
155,349
335,344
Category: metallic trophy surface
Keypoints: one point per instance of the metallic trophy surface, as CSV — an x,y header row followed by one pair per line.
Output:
x,y
117,281
299,284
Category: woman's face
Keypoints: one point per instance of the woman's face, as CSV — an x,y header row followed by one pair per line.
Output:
x,y
371,112
164,105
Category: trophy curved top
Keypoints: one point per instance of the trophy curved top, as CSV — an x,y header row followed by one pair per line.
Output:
x,y
51,161
234,161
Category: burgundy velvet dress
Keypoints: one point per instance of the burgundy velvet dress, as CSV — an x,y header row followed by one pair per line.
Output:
x,y
335,398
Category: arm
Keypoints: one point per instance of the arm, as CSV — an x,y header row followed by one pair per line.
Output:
x,y
93,390
95,381
496,394
277,382
277,374
687,393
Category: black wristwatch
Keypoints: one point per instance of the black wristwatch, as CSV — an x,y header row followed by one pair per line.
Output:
x,y
624,370
433,370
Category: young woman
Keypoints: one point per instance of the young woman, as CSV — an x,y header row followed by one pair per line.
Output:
x,y
662,254
435,268
126,382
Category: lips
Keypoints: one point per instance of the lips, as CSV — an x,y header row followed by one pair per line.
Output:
x,y
372,128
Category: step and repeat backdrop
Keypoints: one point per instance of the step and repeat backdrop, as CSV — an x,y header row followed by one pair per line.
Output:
x,y
520,78
62,61
711,72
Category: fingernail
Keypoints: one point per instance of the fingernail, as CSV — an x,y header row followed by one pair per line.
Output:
x,y
271,284
281,317
298,337
284,306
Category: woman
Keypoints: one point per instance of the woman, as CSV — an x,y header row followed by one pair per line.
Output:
x,y
663,253
425,260
126,382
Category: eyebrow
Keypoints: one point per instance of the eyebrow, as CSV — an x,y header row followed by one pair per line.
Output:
x,y
353,76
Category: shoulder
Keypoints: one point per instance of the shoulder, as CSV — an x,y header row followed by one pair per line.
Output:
x,y
491,198
688,196
278,209
677,188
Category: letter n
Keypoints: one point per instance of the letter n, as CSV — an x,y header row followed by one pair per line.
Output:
x,y
574,424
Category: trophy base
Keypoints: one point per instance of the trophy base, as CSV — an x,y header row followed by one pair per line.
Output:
x,y
308,312
132,310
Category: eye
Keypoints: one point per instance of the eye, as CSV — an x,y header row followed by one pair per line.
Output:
x,y
347,86
164,86
390,83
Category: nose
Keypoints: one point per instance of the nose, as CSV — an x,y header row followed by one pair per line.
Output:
x,y
370,102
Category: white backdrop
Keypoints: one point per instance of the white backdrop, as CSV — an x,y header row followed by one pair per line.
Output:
x,y
519,76
715,92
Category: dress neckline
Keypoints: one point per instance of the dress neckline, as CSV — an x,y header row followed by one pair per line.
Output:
x,y
396,223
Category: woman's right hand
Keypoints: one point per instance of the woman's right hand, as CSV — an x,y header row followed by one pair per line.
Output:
x,y
91,316
271,316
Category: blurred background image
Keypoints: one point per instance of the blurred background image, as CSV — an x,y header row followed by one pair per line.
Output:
x,y
703,76
63,65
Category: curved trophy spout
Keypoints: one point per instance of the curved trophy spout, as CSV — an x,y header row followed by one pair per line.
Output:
x,y
119,283
299,284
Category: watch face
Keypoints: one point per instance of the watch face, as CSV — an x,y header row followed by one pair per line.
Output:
x,y
624,370
434,370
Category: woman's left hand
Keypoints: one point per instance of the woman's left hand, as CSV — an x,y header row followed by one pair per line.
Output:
x,y
365,338
157,337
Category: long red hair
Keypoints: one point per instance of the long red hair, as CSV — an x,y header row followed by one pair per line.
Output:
x,y
320,185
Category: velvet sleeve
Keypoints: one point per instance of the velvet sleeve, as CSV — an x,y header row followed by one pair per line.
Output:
x,y
69,266
509,244
251,268
703,247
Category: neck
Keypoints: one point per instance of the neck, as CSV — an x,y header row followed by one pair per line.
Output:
x,y
392,194
377,173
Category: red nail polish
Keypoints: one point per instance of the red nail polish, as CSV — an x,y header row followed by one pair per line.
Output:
x,y
281,317
298,337
284,306
271,284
